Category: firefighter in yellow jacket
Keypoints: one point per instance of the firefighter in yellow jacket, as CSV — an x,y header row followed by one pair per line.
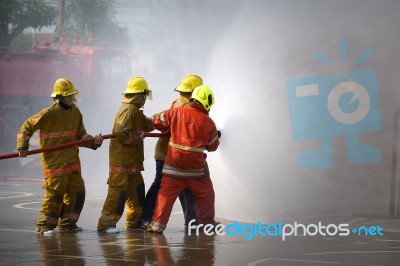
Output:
x,y
126,156
65,189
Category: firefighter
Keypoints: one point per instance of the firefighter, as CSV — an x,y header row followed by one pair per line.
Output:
x,y
65,188
192,132
188,202
126,156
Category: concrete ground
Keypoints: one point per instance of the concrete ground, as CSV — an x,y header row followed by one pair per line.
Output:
x,y
20,198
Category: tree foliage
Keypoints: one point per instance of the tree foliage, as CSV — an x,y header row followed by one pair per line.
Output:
x,y
96,16
17,15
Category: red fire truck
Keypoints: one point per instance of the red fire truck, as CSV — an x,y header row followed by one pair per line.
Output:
x,y
27,78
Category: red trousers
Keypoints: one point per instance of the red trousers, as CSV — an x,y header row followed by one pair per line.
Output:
x,y
170,189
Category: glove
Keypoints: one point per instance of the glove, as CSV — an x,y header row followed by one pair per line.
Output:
x,y
155,116
23,153
141,134
219,133
98,140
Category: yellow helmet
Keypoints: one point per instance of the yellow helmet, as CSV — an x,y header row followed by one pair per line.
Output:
x,y
189,83
204,95
138,85
63,87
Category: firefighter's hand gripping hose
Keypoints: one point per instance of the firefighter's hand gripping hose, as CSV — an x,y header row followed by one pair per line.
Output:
x,y
78,142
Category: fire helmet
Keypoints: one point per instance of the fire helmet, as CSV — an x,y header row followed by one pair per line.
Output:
x,y
63,87
189,83
204,95
138,85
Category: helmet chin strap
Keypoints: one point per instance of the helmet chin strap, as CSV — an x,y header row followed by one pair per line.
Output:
x,y
144,101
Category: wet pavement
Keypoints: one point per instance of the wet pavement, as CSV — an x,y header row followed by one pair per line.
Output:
x,y
20,199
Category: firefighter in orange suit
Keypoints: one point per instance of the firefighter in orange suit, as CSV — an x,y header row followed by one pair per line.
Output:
x,y
186,197
65,188
192,132
126,156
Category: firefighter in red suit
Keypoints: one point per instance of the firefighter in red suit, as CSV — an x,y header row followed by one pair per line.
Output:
x,y
192,132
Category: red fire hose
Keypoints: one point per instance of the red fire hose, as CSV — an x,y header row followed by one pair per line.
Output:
x,y
77,142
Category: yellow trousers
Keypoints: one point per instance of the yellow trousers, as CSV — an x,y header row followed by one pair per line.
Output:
x,y
62,202
123,189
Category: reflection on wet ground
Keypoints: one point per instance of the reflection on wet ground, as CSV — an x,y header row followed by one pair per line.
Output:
x,y
129,248
90,248
19,245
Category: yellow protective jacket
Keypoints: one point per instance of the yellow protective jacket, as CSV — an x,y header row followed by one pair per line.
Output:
x,y
162,143
56,125
126,151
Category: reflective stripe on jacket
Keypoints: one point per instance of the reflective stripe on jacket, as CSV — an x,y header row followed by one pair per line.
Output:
x,y
127,170
62,171
56,125
192,132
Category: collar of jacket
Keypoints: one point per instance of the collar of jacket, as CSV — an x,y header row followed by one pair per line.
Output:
x,y
137,100
198,106
63,105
